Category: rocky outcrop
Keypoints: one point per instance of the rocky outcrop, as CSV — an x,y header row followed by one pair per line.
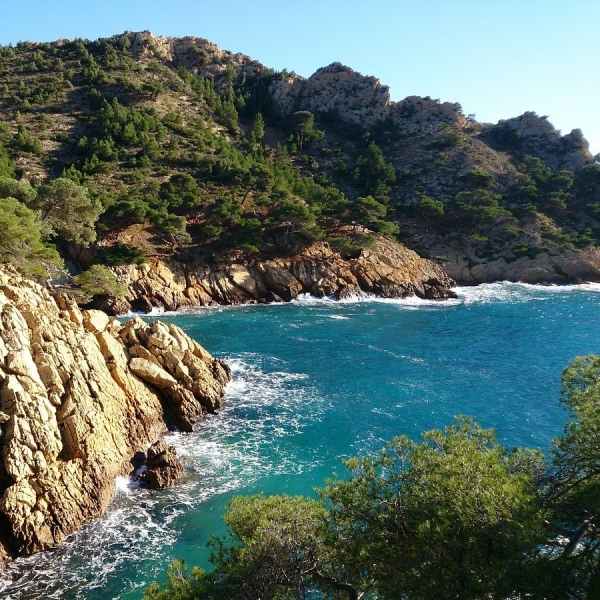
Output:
x,y
360,99
197,54
163,467
534,135
74,410
388,270
568,267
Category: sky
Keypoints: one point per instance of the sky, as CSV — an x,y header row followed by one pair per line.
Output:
x,y
498,58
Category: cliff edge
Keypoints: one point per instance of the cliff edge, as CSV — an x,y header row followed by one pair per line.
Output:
x,y
387,269
80,395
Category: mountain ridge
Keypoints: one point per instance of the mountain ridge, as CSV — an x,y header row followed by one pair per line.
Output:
x,y
221,155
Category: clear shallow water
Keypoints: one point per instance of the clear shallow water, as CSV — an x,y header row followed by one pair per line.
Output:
x,y
317,381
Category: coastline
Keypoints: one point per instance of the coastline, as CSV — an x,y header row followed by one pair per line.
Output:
x,y
389,270
84,399
464,294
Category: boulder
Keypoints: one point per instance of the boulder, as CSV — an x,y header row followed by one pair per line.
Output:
x,y
163,465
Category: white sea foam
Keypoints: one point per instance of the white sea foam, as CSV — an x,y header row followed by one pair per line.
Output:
x,y
506,291
409,301
265,407
485,292
80,568
155,312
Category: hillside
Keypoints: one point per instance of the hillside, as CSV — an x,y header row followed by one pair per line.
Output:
x,y
192,154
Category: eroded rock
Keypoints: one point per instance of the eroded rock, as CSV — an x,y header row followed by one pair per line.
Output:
x,y
163,465
388,269
80,395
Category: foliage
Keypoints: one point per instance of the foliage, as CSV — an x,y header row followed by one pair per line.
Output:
x,y
303,123
453,516
572,487
6,168
98,280
167,144
454,510
68,211
121,254
21,190
257,131
375,174
181,584
275,547
21,243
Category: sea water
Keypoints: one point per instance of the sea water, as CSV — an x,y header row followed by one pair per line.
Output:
x,y
314,382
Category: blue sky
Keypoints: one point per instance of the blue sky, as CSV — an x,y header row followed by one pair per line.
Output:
x,y
498,58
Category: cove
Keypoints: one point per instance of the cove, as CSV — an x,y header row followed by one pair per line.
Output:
x,y
316,381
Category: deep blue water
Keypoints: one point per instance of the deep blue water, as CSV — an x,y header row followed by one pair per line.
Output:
x,y
317,381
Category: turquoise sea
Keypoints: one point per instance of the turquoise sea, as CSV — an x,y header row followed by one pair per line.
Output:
x,y
316,381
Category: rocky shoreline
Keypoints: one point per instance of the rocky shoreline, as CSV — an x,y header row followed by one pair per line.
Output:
x,y
565,268
85,398
388,270
82,398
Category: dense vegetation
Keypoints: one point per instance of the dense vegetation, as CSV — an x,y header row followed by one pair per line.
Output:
x,y
453,516
196,157
199,175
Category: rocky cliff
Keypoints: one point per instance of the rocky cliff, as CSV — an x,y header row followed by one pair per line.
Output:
x,y
80,396
545,268
388,270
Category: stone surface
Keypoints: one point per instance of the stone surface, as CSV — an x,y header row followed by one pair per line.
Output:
x,y
388,269
163,466
568,267
74,410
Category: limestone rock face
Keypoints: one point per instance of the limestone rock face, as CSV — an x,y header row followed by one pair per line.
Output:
x,y
164,467
569,267
360,99
74,410
540,138
388,270
355,97
197,54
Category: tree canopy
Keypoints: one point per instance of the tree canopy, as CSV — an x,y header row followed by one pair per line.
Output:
x,y
455,515
69,211
21,243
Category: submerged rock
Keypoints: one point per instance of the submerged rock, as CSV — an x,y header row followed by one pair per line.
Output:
x,y
76,406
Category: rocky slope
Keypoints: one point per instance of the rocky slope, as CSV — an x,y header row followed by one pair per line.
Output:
x,y
216,154
388,269
80,396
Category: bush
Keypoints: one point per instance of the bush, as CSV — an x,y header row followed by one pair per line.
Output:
x,y
121,254
97,281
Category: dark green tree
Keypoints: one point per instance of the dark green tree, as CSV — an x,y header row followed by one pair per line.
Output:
x,y
21,243
257,131
68,210
375,174
21,190
6,167
572,487
303,123
450,517
98,280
